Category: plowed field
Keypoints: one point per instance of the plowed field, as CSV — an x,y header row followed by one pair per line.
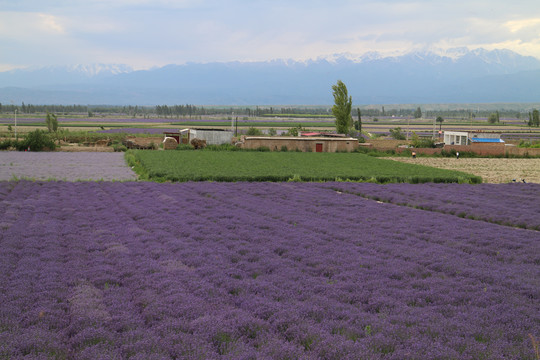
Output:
x,y
495,171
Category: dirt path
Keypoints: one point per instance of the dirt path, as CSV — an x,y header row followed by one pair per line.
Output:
x,y
491,170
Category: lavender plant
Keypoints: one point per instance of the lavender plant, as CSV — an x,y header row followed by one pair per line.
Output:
x,y
506,204
64,166
256,270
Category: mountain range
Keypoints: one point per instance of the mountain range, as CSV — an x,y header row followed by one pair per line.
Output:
x,y
453,76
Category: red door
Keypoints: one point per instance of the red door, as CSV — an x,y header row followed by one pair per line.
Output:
x,y
318,147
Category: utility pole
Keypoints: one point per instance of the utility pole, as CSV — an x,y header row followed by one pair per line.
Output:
x,y
408,121
15,107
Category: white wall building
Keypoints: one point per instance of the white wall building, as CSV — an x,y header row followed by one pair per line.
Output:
x,y
456,138
468,137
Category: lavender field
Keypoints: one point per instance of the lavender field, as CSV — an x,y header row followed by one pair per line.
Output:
x,y
131,270
64,166
513,204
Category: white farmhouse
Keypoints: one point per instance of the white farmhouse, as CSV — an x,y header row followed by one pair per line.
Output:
x,y
469,137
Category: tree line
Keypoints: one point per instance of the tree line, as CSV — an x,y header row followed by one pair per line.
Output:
x,y
188,110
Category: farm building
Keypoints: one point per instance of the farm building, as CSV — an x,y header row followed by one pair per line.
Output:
x,y
304,143
211,136
479,142
470,137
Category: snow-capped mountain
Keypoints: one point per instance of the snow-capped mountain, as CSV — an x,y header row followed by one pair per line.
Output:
x,y
429,76
60,75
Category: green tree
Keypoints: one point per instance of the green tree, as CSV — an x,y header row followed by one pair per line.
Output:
x,y
37,140
253,131
535,118
397,134
52,122
358,124
440,121
492,119
418,113
418,142
342,108
294,131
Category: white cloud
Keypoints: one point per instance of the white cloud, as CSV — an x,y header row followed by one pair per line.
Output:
x,y
51,23
143,33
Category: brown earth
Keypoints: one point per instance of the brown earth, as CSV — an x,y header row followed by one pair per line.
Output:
x,y
491,170
146,141
81,148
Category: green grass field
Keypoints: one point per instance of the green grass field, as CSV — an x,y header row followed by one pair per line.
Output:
x,y
206,165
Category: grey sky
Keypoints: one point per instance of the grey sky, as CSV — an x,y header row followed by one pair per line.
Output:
x,y
147,33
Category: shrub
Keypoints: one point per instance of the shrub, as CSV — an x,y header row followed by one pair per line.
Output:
x,y
222,147
294,131
37,140
529,144
272,132
6,144
397,134
184,147
253,131
418,142
119,147
284,148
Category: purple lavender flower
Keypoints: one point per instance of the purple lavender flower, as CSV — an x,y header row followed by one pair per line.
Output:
x,y
257,270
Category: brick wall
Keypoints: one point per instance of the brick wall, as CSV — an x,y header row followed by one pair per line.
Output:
x,y
302,144
514,150
481,149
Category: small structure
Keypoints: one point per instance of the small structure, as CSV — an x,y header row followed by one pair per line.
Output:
x,y
471,137
479,142
170,143
211,136
456,138
303,143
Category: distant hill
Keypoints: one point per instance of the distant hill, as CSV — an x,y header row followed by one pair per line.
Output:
x,y
455,76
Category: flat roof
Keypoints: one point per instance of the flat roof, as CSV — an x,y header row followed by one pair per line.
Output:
x,y
486,140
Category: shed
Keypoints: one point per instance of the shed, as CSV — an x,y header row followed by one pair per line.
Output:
x,y
306,144
470,137
211,136
456,138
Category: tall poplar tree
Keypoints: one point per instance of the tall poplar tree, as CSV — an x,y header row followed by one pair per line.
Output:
x,y
342,108
52,122
359,122
535,118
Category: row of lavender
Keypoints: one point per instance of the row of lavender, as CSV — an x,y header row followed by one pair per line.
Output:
x,y
256,270
507,204
64,166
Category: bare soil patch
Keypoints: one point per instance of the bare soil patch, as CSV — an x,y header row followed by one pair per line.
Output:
x,y
494,171
146,141
81,148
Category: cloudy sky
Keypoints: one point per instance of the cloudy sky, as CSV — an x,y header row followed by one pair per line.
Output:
x,y
149,33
